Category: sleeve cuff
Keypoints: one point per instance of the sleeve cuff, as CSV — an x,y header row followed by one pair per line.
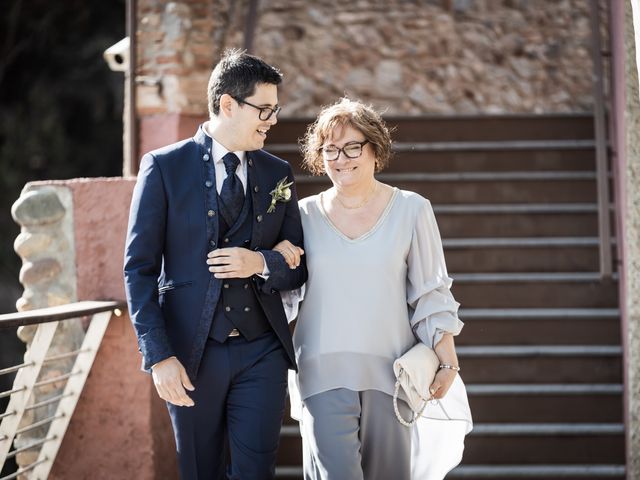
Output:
x,y
430,330
275,263
265,271
155,347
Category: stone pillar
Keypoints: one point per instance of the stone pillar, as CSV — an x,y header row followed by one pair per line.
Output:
x,y
120,428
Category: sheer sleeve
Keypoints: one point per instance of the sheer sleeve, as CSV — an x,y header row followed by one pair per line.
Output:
x,y
433,310
291,301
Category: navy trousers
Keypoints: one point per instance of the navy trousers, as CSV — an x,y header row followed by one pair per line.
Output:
x,y
239,404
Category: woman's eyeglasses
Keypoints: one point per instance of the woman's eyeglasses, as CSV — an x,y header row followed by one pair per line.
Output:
x,y
351,150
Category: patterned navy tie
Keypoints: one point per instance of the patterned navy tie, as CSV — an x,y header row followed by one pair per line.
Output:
x,y
232,193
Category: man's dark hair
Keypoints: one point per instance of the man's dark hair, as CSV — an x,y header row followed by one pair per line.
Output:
x,y
237,74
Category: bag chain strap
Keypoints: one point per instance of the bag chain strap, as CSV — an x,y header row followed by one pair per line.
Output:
x,y
415,415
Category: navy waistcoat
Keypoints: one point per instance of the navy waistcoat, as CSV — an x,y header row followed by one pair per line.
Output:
x,y
238,306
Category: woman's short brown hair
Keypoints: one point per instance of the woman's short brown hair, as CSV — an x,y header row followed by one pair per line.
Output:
x,y
346,112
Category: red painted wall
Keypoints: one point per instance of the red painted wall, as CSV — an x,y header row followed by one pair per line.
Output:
x,y
159,130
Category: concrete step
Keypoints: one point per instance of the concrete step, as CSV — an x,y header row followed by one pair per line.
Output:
x,y
517,208
470,155
538,444
460,128
541,364
517,220
575,472
539,350
516,443
581,157
533,289
466,146
546,429
521,254
531,472
518,429
521,242
546,403
513,176
548,326
535,313
468,188
533,159
527,277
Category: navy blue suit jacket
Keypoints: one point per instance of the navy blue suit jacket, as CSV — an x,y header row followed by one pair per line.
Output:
x,y
170,292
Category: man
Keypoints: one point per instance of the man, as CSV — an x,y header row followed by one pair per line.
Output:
x,y
203,283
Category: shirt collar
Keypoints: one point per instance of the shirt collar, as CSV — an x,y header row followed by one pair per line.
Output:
x,y
218,150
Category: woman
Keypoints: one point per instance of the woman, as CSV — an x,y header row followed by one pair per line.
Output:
x,y
377,283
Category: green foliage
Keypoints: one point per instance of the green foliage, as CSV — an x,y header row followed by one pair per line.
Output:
x,y
60,105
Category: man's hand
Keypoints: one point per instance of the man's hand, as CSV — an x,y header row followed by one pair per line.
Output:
x,y
170,379
290,252
235,262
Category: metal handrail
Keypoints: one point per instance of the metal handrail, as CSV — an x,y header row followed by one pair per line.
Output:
x,y
61,312
28,373
600,131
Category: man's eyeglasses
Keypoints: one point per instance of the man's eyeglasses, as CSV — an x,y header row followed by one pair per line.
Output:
x,y
265,112
351,150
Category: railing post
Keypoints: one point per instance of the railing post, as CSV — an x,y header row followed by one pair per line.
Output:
x,y
25,380
71,394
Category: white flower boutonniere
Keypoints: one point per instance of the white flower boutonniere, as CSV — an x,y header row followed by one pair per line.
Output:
x,y
282,193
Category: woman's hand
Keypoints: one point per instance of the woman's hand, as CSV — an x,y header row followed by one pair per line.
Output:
x,y
290,252
446,351
442,382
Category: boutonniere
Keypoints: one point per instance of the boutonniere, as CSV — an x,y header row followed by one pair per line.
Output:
x,y
282,193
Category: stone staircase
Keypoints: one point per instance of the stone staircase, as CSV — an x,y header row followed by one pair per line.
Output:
x,y
516,203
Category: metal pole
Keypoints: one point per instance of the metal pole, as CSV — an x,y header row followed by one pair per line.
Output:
x,y
602,170
131,162
250,25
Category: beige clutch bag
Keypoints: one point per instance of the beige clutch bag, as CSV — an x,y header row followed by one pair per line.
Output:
x,y
414,371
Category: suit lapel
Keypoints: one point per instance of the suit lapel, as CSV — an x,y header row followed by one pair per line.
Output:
x,y
209,195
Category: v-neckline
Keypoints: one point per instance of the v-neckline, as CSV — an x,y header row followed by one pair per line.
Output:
x,y
366,234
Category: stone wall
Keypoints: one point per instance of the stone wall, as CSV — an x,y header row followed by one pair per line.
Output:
x,y
405,57
628,144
